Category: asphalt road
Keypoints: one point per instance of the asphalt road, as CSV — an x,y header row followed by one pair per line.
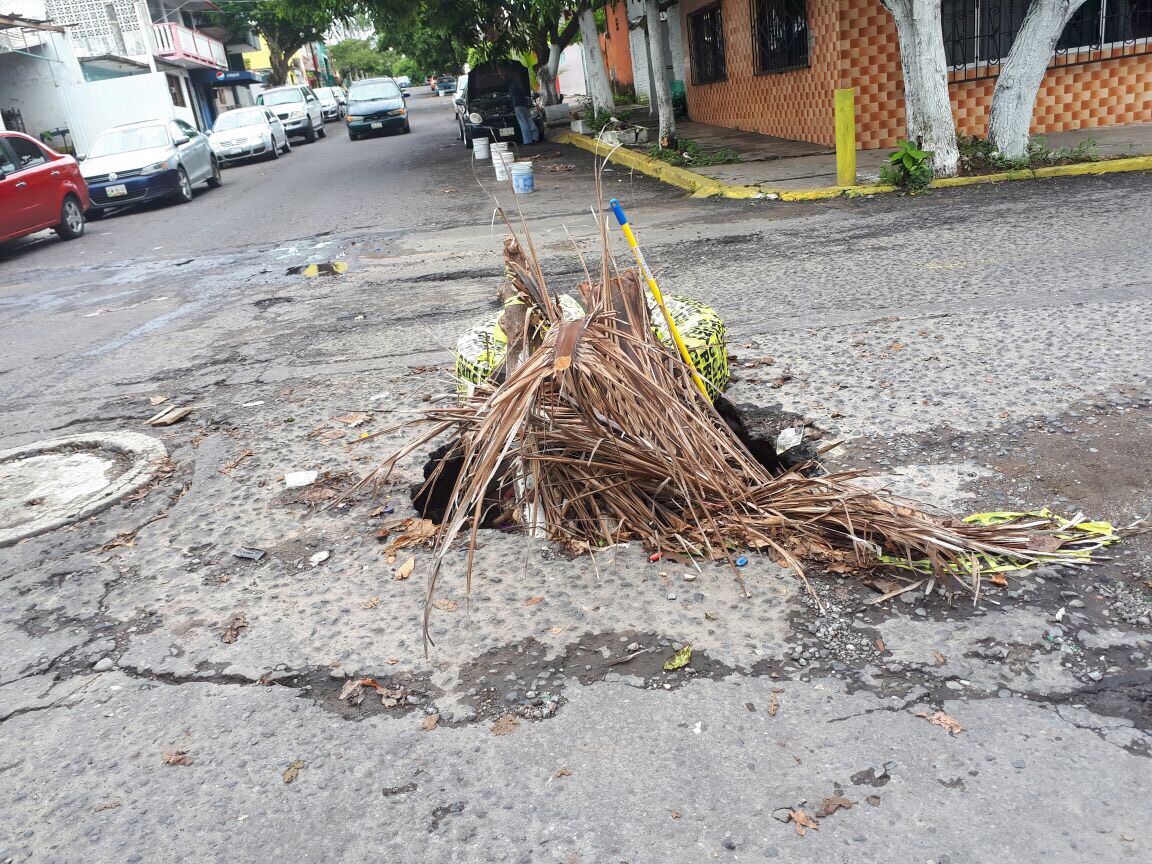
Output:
x,y
983,348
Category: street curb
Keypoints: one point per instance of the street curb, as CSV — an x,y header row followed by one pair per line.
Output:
x,y
706,187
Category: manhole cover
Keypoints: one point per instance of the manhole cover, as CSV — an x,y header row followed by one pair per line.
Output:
x,y
52,483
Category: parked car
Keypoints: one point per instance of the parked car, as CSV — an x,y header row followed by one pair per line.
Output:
x,y
484,109
404,82
39,188
332,102
298,109
244,133
376,106
445,86
145,161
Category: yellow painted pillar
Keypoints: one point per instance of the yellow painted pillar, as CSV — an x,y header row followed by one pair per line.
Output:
x,y
845,137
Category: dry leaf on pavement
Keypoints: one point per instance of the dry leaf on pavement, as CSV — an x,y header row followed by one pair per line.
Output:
x,y
939,658
353,419
177,757
292,771
446,604
371,603
832,804
405,569
232,630
942,719
532,601
675,814
562,772
157,400
803,822
352,692
504,724
106,805
430,722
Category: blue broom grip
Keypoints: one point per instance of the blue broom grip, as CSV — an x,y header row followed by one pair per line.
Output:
x,y
619,211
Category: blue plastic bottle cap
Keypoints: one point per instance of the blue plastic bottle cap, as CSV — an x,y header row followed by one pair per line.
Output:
x,y
741,561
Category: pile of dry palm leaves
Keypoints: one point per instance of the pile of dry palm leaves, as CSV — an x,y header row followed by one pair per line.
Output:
x,y
594,433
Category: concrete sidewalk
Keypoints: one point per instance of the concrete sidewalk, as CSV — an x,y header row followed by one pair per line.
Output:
x,y
780,163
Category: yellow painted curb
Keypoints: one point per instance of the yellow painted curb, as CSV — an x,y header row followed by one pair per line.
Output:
x,y
704,187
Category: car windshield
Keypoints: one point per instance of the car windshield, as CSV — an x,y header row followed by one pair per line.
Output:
x,y
241,117
379,90
281,97
127,140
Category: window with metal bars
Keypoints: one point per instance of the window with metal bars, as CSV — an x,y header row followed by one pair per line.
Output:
x,y
978,34
780,35
706,45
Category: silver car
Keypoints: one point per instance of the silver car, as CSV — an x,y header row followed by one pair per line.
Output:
x,y
245,133
145,161
332,102
298,109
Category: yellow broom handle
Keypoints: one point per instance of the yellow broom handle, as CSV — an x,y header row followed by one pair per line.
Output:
x,y
655,289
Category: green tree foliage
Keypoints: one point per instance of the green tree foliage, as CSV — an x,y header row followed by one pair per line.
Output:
x,y
286,25
358,58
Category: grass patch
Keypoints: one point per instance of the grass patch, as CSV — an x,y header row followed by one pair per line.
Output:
x,y
690,154
979,155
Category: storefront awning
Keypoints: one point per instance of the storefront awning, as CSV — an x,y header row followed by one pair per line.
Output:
x,y
225,77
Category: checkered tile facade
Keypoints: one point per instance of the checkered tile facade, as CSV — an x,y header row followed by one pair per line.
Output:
x,y
853,44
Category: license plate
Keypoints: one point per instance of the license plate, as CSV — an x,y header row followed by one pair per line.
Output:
x,y
377,125
507,130
116,191
232,151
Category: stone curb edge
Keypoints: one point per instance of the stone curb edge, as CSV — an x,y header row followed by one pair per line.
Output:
x,y
706,187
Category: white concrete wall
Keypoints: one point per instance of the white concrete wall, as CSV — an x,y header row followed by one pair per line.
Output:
x,y
571,72
96,105
674,45
31,84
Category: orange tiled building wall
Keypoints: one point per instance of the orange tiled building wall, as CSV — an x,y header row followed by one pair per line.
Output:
x,y
853,44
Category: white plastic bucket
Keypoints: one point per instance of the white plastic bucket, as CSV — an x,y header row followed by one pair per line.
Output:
x,y
480,148
523,181
501,161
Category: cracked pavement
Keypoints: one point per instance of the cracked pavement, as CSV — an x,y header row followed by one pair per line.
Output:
x,y
983,348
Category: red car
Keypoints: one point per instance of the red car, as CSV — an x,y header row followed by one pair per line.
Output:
x,y
39,188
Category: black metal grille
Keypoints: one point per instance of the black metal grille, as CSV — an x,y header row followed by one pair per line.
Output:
x,y
780,34
706,45
978,34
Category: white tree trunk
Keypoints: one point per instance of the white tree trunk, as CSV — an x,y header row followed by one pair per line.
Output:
x,y
658,83
553,65
927,108
1022,72
595,70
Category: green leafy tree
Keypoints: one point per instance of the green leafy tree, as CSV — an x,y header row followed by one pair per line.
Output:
x,y
286,26
358,58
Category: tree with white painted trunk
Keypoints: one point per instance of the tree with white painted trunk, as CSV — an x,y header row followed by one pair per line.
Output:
x,y
595,69
1021,74
659,83
927,108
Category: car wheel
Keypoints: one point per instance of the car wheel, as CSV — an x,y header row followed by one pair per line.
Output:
x,y
467,138
215,181
273,151
71,219
407,127
322,132
287,144
310,133
183,186
352,136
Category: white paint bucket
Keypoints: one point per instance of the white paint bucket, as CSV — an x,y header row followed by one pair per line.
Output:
x,y
523,181
501,160
480,148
